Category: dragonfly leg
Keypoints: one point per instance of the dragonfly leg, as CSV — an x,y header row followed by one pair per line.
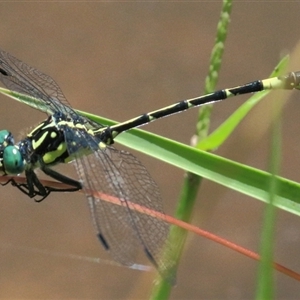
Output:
x,y
7,182
44,191
27,190
75,185
33,187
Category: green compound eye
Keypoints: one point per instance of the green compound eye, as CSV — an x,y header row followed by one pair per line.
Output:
x,y
4,134
12,160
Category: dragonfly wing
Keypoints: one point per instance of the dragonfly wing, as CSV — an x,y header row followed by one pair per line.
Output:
x,y
20,77
118,175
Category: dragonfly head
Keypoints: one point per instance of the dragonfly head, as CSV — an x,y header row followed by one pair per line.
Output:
x,y
11,160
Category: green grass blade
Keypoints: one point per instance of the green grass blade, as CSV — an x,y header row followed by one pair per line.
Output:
x,y
25,99
236,176
241,178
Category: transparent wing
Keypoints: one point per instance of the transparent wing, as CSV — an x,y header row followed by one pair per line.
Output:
x,y
18,76
119,175
105,172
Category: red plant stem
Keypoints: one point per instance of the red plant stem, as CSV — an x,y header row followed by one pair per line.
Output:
x,y
166,218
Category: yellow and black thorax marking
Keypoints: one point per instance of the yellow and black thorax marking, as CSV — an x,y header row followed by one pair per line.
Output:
x,y
48,143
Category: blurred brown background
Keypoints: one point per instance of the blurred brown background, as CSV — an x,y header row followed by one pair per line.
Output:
x,y
122,59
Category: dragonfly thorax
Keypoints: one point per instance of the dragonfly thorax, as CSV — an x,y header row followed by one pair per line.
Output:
x,y
46,143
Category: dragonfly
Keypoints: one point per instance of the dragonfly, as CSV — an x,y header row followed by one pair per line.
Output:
x,y
65,136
